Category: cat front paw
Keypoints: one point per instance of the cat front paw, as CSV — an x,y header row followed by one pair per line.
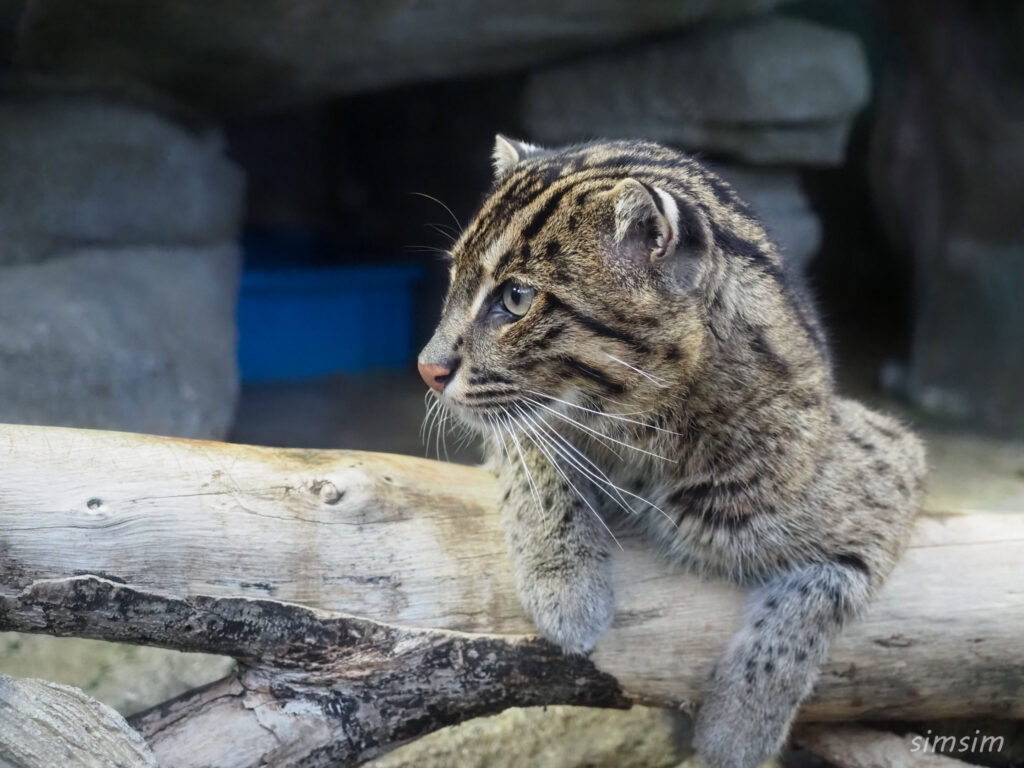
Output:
x,y
571,612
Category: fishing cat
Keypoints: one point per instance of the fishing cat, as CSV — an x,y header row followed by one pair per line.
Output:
x,y
626,338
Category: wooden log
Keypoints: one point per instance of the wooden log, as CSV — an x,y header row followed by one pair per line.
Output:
x,y
407,554
43,725
854,746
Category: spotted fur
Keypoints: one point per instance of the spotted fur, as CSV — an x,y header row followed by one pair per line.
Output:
x,y
671,374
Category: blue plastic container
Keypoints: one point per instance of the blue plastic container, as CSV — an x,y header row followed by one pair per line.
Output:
x,y
297,323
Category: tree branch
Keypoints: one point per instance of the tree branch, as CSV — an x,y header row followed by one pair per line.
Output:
x,y
411,619
330,689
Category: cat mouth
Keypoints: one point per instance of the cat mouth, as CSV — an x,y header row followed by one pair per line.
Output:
x,y
485,411
486,401
482,409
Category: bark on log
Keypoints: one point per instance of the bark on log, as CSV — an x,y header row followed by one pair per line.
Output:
x,y
408,619
43,725
317,688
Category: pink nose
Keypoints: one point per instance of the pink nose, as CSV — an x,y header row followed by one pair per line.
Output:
x,y
435,376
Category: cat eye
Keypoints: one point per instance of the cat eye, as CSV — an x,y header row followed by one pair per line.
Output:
x,y
517,298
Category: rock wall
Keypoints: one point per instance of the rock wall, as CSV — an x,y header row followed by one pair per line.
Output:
x,y
240,55
118,269
766,95
767,90
85,170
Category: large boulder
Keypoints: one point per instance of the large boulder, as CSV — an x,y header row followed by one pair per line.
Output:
x,y
129,678
948,176
765,90
553,737
81,170
234,55
118,268
137,338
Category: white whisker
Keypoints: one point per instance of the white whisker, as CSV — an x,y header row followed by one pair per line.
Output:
x,y
443,432
522,460
463,435
445,231
591,410
429,249
498,440
592,431
650,376
616,416
601,476
558,450
558,469
429,422
426,407
605,440
458,224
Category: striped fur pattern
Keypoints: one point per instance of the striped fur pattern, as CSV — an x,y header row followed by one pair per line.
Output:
x,y
668,374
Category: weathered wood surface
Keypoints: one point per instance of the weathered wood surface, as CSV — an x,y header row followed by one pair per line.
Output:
x,y
47,725
195,542
854,746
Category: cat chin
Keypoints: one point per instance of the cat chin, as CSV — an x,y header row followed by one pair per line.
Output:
x,y
467,415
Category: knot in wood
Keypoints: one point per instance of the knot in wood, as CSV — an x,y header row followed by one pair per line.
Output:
x,y
327,491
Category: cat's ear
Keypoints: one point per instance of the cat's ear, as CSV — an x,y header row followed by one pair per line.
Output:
x,y
653,226
508,153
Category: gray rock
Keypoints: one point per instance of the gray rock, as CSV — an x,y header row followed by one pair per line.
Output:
x,y
776,196
239,54
552,737
809,144
138,338
765,90
129,678
82,170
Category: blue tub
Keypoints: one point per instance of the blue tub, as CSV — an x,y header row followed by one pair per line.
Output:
x,y
296,323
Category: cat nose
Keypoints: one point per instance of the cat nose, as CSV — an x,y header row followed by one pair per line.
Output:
x,y
436,376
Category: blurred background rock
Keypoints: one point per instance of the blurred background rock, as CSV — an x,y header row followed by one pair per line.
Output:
x,y
210,226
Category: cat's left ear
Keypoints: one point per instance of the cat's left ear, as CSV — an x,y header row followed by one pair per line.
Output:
x,y
654,227
508,153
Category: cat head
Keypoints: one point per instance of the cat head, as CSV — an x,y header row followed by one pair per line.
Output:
x,y
580,279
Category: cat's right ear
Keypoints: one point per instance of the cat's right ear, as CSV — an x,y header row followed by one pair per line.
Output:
x,y
654,227
508,153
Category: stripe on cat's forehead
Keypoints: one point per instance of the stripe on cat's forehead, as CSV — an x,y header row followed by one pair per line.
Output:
x,y
513,194
501,220
582,172
498,248
528,196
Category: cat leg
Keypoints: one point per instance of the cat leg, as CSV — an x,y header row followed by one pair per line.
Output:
x,y
559,547
754,690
